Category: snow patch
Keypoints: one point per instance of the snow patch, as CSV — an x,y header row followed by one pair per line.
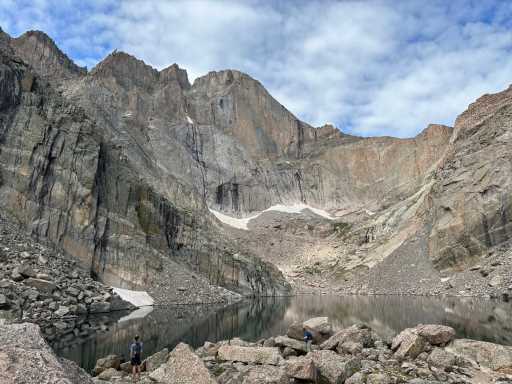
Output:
x,y
232,221
137,298
243,223
189,120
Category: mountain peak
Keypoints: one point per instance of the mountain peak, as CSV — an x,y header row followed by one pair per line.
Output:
x,y
38,50
174,72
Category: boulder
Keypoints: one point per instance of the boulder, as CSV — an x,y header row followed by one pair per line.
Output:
x,y
265,374
302,368
26,358
350,347
241,343
126,367
288,352
16,275
334,368
296,331
319,327
3,301
62,311
156,360
109,373
111,361
441,358
40,284
284,341
26,270
356,378
378,378
356,334
408,344
319,324
184,367
489,355
99,307
250,355
436,334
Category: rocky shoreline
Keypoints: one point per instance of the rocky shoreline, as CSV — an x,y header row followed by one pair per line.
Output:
x,y
41,285
425,354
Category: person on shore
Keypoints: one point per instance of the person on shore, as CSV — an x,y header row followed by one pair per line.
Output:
x,y
308,338
136,357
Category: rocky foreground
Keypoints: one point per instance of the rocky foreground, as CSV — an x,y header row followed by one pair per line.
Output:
x,y
426,354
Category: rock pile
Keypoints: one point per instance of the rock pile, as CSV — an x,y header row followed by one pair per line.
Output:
x,y
39,284
426,354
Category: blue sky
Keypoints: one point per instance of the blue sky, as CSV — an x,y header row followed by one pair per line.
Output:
x,y
369,67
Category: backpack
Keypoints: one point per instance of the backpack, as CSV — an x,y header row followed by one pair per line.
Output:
x,y
136,348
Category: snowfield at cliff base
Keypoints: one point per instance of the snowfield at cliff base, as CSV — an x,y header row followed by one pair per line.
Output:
x,y
243,222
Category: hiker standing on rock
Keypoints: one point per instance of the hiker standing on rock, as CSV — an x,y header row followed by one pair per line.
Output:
x,y
308,338
135,357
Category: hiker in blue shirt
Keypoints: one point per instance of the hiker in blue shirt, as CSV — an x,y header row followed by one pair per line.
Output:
x,y
308,338
135,357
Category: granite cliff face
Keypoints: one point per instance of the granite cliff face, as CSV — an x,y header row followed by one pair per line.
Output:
x,y
125,166
78,174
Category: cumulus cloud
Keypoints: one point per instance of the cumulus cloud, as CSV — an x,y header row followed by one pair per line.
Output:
x,y
373,68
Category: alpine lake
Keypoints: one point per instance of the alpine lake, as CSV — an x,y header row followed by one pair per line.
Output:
x,y
252,320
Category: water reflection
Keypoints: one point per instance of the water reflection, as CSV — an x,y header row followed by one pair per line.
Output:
x,y
166,326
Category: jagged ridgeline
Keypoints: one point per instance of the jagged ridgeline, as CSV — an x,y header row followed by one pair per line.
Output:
x,y
121,165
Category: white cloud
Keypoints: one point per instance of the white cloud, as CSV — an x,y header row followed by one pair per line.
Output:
x,y
378,67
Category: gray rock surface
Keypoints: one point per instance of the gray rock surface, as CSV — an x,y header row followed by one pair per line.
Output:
x,y
489,355
254,355
334,368
25,358
184,367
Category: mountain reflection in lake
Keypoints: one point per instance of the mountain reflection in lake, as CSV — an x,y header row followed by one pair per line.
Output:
x,y
162,327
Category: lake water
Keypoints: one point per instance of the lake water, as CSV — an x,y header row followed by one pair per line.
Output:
x,y
162,327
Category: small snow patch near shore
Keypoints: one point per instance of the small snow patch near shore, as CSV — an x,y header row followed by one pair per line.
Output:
x,y
137,298
243,223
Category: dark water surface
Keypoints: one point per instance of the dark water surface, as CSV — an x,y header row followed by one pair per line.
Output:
x,y
162,327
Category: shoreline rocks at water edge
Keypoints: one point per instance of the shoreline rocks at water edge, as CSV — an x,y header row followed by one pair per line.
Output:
x,y
425,354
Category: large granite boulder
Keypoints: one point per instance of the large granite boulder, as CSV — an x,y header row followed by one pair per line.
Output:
x,y
265,374
320,327
25,358
355,334
184,367
156,360
333,368
408,344
485,354
284,341
111,361
250,355
436,334
442,358
302,368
